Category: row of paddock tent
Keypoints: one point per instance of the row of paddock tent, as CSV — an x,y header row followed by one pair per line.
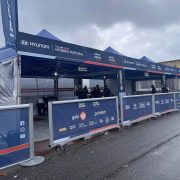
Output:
x,y
15,89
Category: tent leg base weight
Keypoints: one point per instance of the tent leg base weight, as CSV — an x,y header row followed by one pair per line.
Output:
x,y
60,148
35,161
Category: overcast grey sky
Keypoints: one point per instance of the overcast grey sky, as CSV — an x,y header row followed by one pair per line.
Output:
x,y
133,27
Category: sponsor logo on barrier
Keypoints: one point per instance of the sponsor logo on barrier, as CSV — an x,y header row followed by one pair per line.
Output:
x,y
82,105
92,123
167,101
101,120
157,102
107,119
127,107
63,129
75,117
22,129
99,113
96,103
22,136
135,106
73,127
22,123
83,116
141,105
82,125
112,118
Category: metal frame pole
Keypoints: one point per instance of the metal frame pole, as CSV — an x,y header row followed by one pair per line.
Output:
x,y
175,101
121,107
153,104
50,123
31,131
18,65
117,107
34,160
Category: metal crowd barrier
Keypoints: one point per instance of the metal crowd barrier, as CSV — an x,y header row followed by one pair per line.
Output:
x,y
16,136
71,120
164,103
141,107
136,108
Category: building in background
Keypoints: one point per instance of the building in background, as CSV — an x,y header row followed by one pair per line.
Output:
x,y
174,63
172,83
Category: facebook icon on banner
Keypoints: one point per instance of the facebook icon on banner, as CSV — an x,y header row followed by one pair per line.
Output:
x,y
10,21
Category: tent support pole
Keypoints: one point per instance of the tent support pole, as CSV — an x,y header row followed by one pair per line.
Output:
x,y
19,79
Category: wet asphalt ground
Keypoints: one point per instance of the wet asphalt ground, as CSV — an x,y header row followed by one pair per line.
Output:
x,y
149,150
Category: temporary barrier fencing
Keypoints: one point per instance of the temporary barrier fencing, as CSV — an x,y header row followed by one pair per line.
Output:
x,y
16,135
71,120
164,103
177,100
136,108
141,107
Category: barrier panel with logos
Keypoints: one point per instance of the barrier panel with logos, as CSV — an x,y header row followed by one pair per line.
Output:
x,y
164,103
16,138
136,108
71,120
177,101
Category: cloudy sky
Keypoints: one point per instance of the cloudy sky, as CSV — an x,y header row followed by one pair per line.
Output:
x,y
133,27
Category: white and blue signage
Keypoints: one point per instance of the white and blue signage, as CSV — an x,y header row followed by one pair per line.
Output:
x,y
14,136
27,43
137,108
164,103
10,21
73,119
177,98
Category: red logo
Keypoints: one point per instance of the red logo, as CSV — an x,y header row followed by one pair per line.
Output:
x,y
83,116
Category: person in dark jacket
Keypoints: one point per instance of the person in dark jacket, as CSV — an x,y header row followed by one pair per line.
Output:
x,y
97,92
153,91
79,93
107,91
92,93
85,92
164,89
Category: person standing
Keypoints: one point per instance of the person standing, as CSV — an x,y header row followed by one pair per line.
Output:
x,y
107,91
79,93
85,92
97,92
164,89
153,91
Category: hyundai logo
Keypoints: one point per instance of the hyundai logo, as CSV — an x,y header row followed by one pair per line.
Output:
x,y
24,42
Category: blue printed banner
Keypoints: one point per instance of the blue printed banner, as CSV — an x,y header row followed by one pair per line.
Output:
x,y
79,118
27,43
177,98
10,21
164,103
137,108
14,136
